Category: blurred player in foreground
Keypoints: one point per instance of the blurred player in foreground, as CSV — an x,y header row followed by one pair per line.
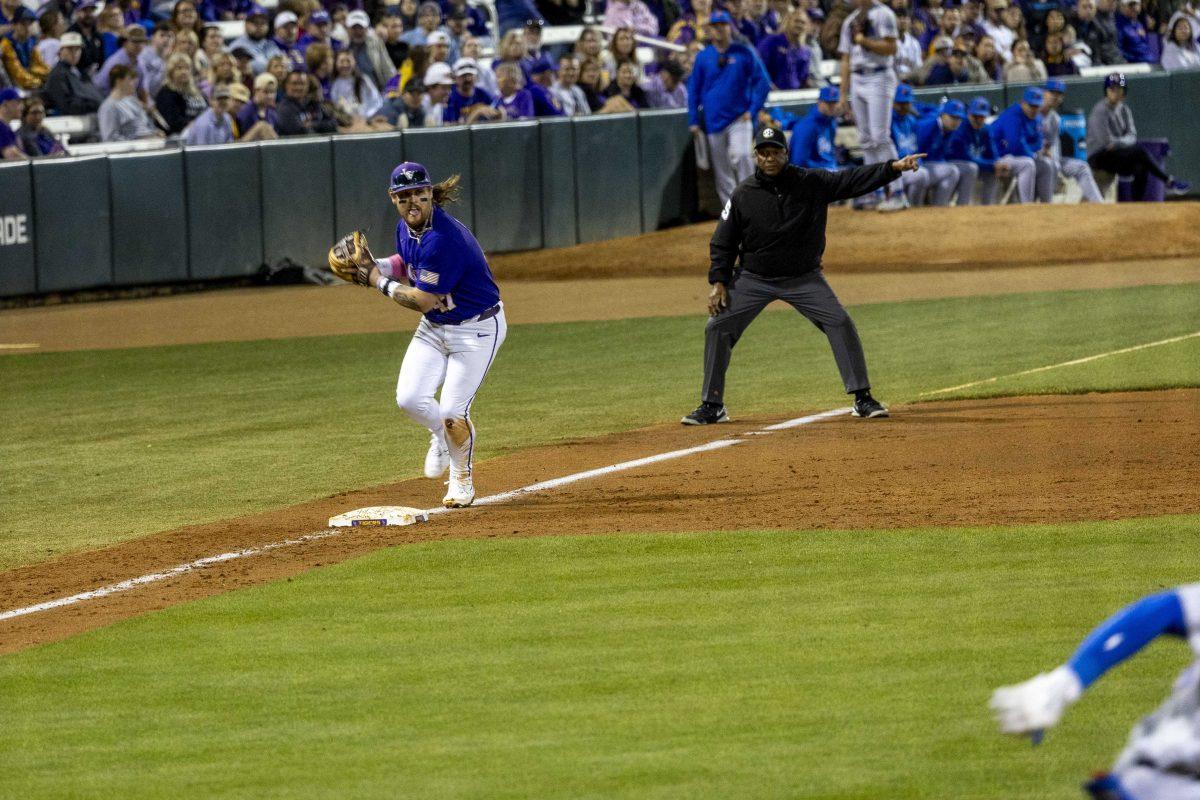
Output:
x,y
1162,759
439,270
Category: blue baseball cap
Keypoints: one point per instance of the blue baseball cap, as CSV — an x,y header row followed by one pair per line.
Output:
x,y
1032,96
409,175
318,17
829,94
541,64
954,108
720,18
258,11
979,107
1055,85
904,93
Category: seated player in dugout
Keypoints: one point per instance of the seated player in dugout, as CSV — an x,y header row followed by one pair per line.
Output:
x,y
768,246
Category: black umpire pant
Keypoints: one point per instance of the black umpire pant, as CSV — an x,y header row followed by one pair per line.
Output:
x,y
1131,160
811,296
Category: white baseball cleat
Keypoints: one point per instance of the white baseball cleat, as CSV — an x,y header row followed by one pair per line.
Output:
x,y
461,492
438,457
897,202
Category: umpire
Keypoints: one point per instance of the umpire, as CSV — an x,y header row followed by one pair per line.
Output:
x,y
775,224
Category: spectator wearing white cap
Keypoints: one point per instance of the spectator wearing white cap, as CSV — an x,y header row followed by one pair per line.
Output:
x,y
439,78
486,79
257,40
287,38
66,90
438,44
370,53
429,17
467,102
214,126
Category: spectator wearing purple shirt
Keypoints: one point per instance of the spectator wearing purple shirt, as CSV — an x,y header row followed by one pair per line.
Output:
x,y
465,94
262,108
10,111
515,102
214,126
132,44
544,102
786,58
666,89
317,32
287,30
631,14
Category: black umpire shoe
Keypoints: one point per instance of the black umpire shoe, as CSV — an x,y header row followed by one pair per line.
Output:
x,y
706,414
868,407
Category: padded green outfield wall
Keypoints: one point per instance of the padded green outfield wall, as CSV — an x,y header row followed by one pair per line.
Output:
x,y
222,212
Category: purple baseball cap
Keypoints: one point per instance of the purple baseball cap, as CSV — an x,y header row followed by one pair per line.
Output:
x,y
720,18
318,17
9,93
409,175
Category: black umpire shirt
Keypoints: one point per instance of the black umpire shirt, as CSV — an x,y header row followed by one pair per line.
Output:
x,y
777,225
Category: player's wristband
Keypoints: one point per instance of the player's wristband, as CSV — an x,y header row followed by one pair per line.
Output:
x,y
385,285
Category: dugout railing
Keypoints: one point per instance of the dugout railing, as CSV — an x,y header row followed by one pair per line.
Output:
x,y
221,212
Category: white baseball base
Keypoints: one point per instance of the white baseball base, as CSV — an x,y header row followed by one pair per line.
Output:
x,y
378,516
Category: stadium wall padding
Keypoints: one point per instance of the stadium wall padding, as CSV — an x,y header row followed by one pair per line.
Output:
x,y
607,191
557,142
224,210
667,168
362,167
17,272
506,192
220,212
72,223
297,200
149,218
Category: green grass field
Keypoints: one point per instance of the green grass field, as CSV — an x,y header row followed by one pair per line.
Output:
x,y
714,664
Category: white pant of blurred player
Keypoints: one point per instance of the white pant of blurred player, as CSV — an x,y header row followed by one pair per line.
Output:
x,y
916,184
1078,171
871,96
948,178
1144,783
456,358
1024,172
731,158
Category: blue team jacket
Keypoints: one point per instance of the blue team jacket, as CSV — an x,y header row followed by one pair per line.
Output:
x,y
904,134
932,139
972,144
1014,134
812,141
726,92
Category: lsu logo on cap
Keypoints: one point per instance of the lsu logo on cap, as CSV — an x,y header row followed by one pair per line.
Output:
x,y
428,276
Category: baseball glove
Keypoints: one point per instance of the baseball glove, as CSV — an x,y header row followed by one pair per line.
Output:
x,y
350,258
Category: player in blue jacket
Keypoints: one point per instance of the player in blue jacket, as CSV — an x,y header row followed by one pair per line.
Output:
x,y
1162,758
462,328
904,136
933,136
813,135
726,90
971,146
1017,141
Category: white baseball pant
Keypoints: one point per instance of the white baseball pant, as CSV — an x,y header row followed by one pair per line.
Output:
x,y
945,178
1047,176
456,358
916,184
1024,172
871,98
731,157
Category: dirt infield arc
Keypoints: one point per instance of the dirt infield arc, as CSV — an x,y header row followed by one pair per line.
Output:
x,y
1015,460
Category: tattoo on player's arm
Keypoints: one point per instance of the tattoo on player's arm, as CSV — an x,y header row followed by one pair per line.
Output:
x,y
407,300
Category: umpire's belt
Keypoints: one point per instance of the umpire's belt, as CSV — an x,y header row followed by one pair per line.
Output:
x,y
868,70
491,312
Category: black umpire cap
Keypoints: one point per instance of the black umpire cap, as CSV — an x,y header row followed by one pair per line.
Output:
x,y
770,136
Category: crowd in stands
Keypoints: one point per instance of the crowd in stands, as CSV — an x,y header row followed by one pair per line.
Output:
x,y
162,69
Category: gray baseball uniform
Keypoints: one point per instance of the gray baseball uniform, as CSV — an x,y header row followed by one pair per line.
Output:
x,y
874,81
1053,163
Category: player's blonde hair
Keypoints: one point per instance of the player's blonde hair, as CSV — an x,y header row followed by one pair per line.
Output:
x,y
447,191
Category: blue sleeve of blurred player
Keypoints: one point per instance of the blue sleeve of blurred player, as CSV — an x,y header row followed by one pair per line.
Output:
x,y
760,84
1126,632
804,139
786,119
696,88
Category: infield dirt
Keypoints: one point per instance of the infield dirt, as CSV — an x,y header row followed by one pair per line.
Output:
x,y
1016,460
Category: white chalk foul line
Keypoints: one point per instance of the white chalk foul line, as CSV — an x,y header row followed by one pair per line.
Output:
x,y
502,497
1070,363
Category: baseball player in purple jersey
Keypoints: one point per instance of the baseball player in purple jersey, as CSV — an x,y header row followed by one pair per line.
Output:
x,y
868,48
462,328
